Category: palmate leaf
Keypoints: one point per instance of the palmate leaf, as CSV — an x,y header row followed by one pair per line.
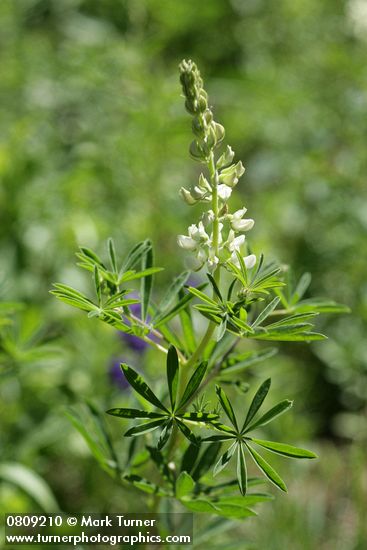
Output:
x,y
268,470
137,382
285,450
257,401
167,418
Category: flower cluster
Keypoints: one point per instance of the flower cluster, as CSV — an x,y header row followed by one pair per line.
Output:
x,y
218,236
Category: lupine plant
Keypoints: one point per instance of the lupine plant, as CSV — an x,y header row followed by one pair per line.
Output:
x,y
242,298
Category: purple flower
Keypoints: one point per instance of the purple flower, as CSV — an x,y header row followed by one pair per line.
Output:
x,y
134,342
116,375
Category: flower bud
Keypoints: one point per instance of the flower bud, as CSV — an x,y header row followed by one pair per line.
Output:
x,y
211,138
196,151
203,183
197,193
187,197
230,175
219,132
203,101
198,128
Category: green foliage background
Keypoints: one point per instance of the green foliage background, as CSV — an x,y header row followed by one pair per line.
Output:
x,y
94,144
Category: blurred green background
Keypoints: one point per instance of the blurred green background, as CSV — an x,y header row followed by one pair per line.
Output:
x,y
94,143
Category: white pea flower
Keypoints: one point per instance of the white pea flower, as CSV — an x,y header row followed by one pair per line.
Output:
x,y
249,260
224,192
213,261
197,236
234,243
196,262
186,242
207,217
240,224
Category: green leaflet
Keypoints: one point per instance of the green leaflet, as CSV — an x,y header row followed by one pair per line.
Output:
x,y
285,450
246,360
257,401
224,459
266,312
184,485
172,374
193,384
31,483
270,415
171,294
227,407
112,255
241,470
133,413
145,428
206,460
147,281
137,382
165,435
145,485
189,458
270,473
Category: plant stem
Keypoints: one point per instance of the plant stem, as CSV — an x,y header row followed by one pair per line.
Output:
x,y
198,353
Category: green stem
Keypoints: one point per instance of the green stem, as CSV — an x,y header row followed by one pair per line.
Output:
x,y
200,350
